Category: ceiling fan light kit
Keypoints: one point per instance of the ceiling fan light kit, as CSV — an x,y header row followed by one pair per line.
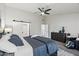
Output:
x,y
44,11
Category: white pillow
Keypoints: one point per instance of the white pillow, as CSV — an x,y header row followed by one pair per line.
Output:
x,y
34,36
77,39
8,47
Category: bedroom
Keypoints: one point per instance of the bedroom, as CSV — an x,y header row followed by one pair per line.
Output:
x,y
26,19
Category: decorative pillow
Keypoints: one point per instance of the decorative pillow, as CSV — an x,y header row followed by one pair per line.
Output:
x,y
8,47
15,39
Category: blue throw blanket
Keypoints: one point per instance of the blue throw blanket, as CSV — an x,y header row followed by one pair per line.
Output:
x,y
50,44
39,49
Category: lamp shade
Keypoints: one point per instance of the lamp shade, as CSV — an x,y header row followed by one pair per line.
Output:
x,y
1,30
8,29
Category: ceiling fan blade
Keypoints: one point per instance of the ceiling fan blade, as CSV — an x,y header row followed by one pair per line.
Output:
x,y
48,10
47,13
40,9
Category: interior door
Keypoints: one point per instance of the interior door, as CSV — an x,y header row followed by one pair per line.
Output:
x,y
44,30
21,28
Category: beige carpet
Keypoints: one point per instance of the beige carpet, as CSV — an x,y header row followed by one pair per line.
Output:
x,y
62,52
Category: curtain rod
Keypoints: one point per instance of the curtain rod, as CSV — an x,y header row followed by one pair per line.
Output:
x,y
21,21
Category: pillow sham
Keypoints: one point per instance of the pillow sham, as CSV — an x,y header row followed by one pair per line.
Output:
x,y
15,39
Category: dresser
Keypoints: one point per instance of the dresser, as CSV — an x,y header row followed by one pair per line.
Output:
x,y
58,36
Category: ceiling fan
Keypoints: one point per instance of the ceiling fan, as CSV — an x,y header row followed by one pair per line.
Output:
x,y
44,11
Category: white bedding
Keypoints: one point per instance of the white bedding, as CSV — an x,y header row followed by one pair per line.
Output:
x,y
25,50
7,46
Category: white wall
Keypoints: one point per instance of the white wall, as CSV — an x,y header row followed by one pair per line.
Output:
x,y
55,22
12,13
69,21
2,14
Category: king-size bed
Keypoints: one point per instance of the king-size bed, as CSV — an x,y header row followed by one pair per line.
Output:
x,y
17,45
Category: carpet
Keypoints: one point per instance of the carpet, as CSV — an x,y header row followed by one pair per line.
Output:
x,y
62,52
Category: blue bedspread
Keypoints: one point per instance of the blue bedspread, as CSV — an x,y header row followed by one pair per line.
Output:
x,y
50,44
39,49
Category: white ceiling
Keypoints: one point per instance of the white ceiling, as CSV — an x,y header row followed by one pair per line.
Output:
x,y
57,8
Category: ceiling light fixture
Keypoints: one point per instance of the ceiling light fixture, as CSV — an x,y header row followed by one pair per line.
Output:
x,y
42,13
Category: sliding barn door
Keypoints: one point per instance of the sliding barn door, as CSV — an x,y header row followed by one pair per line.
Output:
x,y
21,28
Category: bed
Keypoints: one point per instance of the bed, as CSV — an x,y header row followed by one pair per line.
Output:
x,y
49,47
36,46
39,49
8,48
